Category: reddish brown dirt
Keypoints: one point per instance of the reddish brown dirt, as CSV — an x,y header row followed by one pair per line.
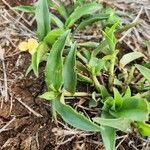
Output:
x,y
27,131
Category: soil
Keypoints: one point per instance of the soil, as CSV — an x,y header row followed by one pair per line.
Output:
x,y
25,119
27,131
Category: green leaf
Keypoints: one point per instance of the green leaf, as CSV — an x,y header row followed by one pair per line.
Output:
x,y
96,65
81,67
28,9
78,3
117,100
108,103
110,37
53,35
81,11
112,19
143,128
127,93
109,137
91,20
93,102
104,92
84,78
117,82
60,8
37,56
144,71
100,48
148,46
122,124
74,118
54,66
70,74
42,19
133,108
56,20
108,134
127,58
49,95
28,70
86,53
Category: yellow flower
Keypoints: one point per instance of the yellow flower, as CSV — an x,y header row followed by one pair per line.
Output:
x,y
23,46
30,45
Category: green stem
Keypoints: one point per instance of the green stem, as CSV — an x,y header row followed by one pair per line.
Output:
x,y
54,113
96,83
85,78
82,57
130,77
111,71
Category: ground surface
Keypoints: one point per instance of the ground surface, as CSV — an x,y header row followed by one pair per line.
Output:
x,y
25,120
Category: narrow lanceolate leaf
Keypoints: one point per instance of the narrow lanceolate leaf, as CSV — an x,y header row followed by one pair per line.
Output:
x,y
122,124
143,128
108,134
56,20
127,93
59,7
37,56
81,11
42,18
54,66
117,100
74,118
70,74
144,71
28,9
110,37
109,137
127,58
91,20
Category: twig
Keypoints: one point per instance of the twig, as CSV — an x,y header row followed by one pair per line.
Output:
x,y
8,123
37,141
121,141
66,141
134,21
20,15
5,75
30,109
16,21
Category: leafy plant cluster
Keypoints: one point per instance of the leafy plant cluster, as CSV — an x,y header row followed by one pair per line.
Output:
x,y
97,64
